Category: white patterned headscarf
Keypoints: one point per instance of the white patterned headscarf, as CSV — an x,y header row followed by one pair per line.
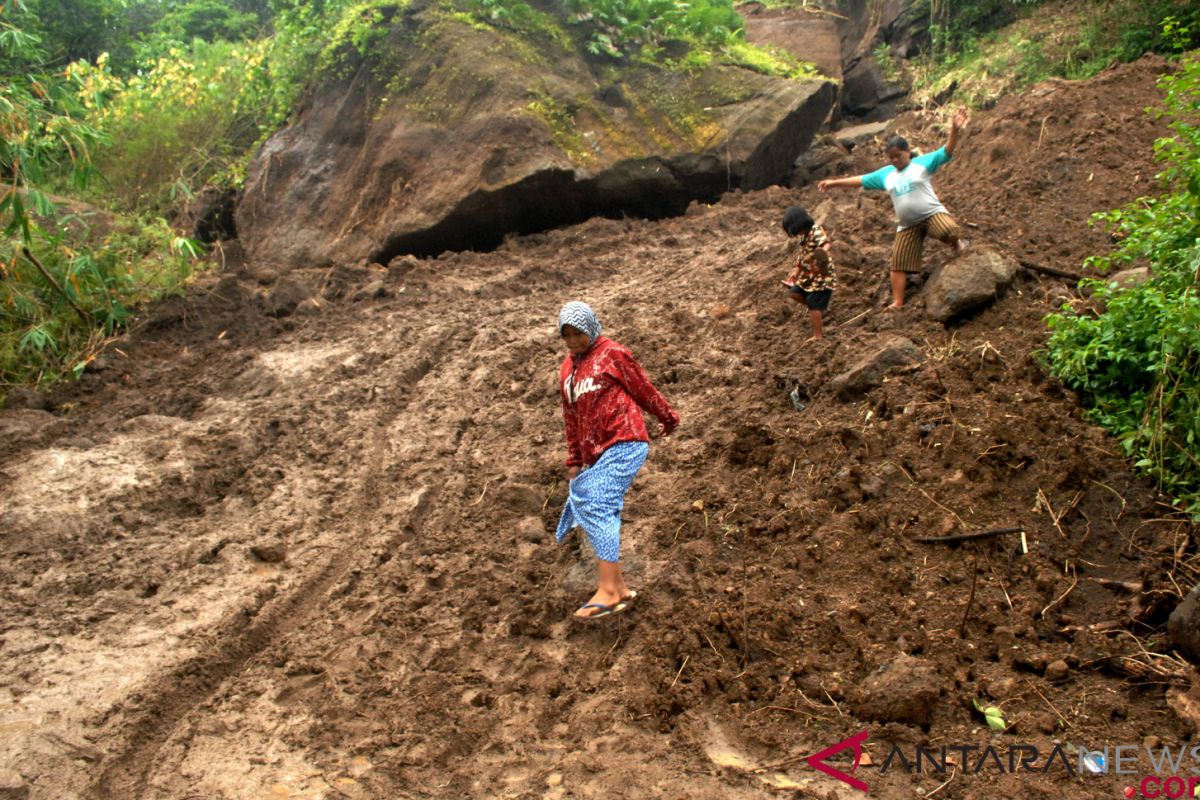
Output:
x,y
579,315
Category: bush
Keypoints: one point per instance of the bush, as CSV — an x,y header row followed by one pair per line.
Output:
x,y
622,28
66,291
189,118
1137,362
63,288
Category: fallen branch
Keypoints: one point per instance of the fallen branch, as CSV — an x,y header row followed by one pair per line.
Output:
x,y
967,537
1128,586
88,318
1045,270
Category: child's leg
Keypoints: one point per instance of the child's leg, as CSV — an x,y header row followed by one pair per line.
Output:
x,y
818,301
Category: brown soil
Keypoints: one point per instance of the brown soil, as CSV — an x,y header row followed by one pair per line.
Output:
x,y
312,556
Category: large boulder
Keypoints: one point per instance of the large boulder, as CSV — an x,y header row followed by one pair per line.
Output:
x,y
967,283
1183,626
842,39
451,136
904,691
869,372
867,93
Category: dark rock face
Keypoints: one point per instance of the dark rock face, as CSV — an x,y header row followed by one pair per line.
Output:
x,y
435,144
867,94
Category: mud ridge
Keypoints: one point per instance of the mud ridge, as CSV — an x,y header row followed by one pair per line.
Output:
x,y
176,694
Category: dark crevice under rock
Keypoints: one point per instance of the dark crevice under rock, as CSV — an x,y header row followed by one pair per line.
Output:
x,y
551,199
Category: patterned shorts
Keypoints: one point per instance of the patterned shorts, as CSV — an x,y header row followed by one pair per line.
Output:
x,y
597,495
910,242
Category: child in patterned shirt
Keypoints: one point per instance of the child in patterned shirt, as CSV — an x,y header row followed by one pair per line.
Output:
x,y
812,281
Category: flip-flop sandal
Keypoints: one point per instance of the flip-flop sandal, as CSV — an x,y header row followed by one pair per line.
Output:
x,y
605,611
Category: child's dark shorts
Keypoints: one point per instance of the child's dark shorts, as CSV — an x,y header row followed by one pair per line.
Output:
x,y
817,300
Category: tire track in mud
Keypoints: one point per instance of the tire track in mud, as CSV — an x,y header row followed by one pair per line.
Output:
x,y
175,695
146,731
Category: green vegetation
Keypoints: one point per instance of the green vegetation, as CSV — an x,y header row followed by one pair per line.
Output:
x,y
1137,361
1046,38
61,291
135,105
688,36
188,119
620,28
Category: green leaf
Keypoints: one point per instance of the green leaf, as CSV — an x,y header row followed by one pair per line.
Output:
x,y
993,715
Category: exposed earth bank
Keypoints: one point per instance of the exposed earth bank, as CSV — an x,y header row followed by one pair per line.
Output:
x,y
292,537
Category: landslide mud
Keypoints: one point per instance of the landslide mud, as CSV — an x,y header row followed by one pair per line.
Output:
x,y
311,556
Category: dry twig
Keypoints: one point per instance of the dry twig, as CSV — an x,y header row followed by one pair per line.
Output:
x,y
962,628
677,674
1063,596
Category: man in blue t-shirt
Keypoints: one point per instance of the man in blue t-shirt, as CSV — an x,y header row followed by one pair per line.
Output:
x,y
908,181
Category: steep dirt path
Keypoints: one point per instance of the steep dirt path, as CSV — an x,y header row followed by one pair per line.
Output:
x,y
312,557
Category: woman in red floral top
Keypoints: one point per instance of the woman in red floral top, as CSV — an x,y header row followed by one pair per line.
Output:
x,y
603,391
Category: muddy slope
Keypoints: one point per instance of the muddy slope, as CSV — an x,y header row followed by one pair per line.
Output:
x,y
311,556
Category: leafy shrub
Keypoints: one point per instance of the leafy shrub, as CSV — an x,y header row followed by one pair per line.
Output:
x,y
188,119
1137,362
621,28
63,289
67,290
207,20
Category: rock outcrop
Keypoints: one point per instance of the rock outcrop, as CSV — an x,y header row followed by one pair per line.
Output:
x,y
448,136
870,371
967,283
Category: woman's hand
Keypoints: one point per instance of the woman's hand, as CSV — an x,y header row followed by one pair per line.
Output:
x,y
959,121
572,473
824,185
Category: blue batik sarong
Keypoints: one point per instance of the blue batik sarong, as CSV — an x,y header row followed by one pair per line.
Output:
x,y
597,495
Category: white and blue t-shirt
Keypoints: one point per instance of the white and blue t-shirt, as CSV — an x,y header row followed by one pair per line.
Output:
x,y
911,188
